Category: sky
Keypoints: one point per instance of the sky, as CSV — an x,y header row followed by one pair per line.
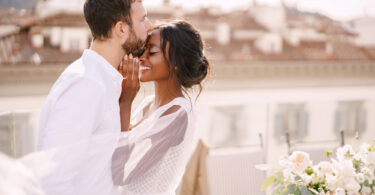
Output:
x,y
336,9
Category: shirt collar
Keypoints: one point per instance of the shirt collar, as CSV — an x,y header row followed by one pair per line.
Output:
x,y
116,77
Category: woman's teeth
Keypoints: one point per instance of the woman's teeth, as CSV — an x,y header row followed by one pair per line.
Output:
x,y
145,68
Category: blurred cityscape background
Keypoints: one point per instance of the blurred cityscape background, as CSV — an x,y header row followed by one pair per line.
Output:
x,y
284,77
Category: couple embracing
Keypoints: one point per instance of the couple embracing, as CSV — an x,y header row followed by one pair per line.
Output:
x,y
97,144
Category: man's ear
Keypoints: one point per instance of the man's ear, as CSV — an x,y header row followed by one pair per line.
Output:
x,y
121,30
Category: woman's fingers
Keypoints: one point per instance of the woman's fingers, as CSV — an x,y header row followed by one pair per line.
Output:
x,y
131,66
130,70
136,72
130,85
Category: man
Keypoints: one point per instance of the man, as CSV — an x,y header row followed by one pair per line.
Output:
x,y
84,101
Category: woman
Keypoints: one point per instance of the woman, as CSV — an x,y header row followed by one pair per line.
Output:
x,y
152,156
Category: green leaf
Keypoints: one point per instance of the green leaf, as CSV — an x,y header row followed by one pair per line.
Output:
x,y
305,191
267,182
298,178
279,177
293,189
356,164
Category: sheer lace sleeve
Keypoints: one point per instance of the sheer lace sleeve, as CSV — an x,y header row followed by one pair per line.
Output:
x,y
151,158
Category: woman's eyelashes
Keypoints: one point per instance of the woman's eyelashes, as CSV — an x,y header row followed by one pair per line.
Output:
x,y
152,53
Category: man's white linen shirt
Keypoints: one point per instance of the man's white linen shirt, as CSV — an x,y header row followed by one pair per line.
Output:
x,y
83,102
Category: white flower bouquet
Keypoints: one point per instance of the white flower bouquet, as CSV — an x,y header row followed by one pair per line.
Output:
x,y
350,173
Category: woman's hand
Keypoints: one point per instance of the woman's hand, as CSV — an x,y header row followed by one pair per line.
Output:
x,y
129,68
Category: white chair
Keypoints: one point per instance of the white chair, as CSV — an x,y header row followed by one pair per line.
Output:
x,y
234,173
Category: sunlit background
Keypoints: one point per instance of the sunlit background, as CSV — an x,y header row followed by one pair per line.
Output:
x,y
287,75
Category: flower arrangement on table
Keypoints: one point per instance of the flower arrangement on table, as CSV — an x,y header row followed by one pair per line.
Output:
x,y
350,173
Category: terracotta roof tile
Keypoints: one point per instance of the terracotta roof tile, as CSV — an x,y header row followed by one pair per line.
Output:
x,y
63,19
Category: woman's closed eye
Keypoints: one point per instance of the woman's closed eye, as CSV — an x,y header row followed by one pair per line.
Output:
x,y
152,53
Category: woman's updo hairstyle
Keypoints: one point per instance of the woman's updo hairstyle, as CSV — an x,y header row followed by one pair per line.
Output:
x,y
185,54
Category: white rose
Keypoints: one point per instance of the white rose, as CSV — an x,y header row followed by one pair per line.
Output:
x,y
365,170
340,191
300,160
306,178
360,177
364,147
361,157
342,152
347,170
331,182
368,174
345,173
353,187
366,190
325,167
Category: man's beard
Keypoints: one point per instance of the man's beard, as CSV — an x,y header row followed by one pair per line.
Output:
x,y
134,45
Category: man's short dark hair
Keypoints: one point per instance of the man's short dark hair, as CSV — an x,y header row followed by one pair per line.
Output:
x,y
102,15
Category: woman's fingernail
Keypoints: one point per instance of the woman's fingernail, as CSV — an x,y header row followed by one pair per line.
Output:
x,y
131,56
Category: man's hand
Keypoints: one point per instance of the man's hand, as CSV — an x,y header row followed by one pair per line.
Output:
x,y
129,68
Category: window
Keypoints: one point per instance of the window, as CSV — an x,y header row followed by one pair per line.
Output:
x,y
228,126
291,118
350,117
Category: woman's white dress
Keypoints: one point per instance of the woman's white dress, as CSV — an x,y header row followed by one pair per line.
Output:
x,y
156,150
149,159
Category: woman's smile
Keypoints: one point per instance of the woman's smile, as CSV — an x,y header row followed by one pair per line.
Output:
x,y
145,68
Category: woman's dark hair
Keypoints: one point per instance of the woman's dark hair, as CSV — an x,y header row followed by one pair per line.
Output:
x,y
185,57
102,15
